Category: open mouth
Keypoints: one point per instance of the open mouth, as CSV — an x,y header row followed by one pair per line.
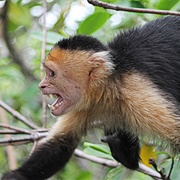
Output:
x,y
57,104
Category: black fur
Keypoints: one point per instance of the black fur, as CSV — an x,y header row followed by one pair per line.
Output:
x,y
80,42
124,148
46,160
153,50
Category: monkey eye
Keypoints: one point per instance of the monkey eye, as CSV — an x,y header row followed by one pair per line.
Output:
x,y
52,73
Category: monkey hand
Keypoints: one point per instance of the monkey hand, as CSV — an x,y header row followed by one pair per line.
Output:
x,y
124,148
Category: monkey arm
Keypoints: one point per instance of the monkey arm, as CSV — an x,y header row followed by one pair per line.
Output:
x,y
47,159
124,148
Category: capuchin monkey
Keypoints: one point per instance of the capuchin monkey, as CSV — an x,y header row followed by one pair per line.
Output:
x,y
129,87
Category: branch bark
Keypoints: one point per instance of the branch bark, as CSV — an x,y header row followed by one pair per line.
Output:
x,y
35,136
17,115
137,10
17,130
9,149
110,163
44,111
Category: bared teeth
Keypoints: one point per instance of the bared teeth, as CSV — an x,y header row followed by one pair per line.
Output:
x,y
56,106
53,108
51,96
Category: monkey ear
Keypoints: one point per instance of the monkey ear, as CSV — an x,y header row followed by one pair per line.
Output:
x,y
100,64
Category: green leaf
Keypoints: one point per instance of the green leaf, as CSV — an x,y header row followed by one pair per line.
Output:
x,y
52,37
139,176
164,153
93,22
114,174
97,153
85,175
136,4
19,15
167,165
166,4
176,7
99,147
109,1
99,150
129,21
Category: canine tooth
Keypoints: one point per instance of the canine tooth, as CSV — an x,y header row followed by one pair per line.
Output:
x,y
57,105
51,96
49,106
53,108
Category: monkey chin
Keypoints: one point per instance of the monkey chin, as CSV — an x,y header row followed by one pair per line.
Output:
x,y
56,112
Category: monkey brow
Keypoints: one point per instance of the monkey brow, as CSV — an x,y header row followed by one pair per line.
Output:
x,y
43,64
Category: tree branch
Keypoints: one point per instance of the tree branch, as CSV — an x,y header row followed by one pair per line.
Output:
x,y
17,115
12,162
43,54
161,172
17,130
110,163
35,136
95,159
14,53
137,10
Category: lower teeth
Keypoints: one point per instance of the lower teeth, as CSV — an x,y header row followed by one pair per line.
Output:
x,y
55,106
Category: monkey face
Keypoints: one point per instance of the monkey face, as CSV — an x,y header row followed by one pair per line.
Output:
x,y
71,76
57,85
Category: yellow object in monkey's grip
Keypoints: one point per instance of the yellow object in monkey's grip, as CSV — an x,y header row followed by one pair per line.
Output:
x,y
147,152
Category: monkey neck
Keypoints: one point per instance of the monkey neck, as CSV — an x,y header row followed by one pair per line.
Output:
x,y
102,99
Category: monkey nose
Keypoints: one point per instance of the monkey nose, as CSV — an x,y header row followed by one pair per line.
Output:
x,y
42,85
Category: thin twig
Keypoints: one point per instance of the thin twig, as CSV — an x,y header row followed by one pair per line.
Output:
x,y
10,132
12,161
146,170
161,172
16,129
43,54
17,115
137,10
171,168
14,141
34,147
98,160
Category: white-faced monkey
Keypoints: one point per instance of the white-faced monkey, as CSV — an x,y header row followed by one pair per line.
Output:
x,y
129,87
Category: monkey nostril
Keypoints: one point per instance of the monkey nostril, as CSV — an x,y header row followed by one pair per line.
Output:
x,y
41,86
